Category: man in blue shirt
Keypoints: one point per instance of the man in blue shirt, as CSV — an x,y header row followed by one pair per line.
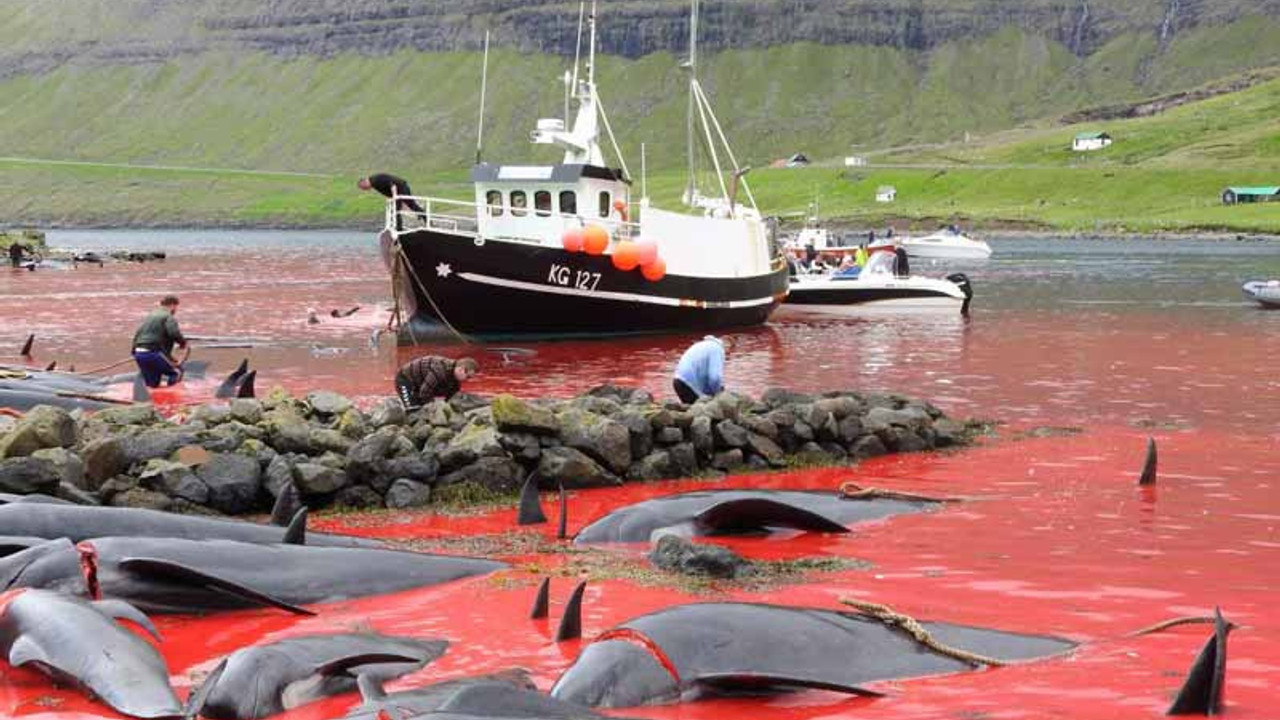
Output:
x,y
700,372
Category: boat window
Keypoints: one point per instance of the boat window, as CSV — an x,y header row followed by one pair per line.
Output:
x,y
542,203
605,205
568,203
519,203
493,199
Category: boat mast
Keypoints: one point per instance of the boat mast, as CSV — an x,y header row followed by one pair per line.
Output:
x,y
691,188
484,83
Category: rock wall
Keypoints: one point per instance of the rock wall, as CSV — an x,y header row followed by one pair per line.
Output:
x,y
234,458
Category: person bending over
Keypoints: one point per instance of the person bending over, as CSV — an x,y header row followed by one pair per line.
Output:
x,y
153,344
391,186
700,372
431,376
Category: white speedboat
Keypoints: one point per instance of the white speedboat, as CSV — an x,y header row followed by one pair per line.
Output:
x,y
946,244
877,285
1264,292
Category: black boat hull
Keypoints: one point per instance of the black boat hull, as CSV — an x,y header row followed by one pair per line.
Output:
x,y
503,288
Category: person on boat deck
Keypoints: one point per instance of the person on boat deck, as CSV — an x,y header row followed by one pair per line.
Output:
x,y
16,252
848,267
902,268
431,376
391,186
153,344
700,372
860,256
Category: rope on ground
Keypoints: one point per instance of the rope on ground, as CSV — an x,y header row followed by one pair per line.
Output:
x,y
104,368
1175,622
850,490
426,293
912,627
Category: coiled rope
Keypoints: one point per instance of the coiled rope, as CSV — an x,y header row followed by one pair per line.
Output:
x,y
912,627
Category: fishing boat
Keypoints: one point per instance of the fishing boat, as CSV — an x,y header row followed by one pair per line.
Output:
x,y
1264,292
565,249
947,243
880,285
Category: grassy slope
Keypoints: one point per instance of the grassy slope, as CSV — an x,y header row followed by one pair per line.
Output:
x,y
415,113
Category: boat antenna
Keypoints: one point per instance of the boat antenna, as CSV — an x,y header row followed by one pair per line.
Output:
x,y
591,57
691,189
577,45
484,83
644,174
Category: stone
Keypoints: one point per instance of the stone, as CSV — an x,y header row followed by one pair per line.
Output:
x,y
128,415
191,455
675,554
849,429
326,440
879,417
174,480
405,493
727,459
775,398
157,443
117,485
464,401
708,408
142,499
596,404
386,413
353,424
524,447
802,431
479,441
811,453
829,430
900,439
103,459
454,458
947,432
420,467
69,466
71,493
701,436
324,402
760,426
669,436
730,434
358,497
233,481
841,407
834,450
639,428
606,441
279,471
684,459
654,466
766,449
246,410
367,458
660,418
440,413
317,479
511,414
43,426
867,446
27,475
287,431
574,469
211,415
499,474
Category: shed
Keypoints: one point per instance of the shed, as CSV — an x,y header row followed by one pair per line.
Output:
x,y
1084,142
1242,194
886,193
798,160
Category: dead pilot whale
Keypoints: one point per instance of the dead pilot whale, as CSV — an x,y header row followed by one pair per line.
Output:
x,y
73,640
730,512
685,650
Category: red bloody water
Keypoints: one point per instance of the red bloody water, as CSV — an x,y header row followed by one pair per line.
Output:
x,y
1109,344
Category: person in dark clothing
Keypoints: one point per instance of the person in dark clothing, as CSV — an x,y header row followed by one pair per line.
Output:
x,y
902,268
16,251
431,376
153,344
391,186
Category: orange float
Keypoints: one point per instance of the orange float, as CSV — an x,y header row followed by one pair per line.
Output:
x,y
595,240
573,240
648,252
654,271
626,256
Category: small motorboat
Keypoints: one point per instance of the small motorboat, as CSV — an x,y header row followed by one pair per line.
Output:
x,y
878,284
1264,292
947,243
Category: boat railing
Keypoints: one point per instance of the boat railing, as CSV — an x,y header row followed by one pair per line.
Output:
x,y
462,217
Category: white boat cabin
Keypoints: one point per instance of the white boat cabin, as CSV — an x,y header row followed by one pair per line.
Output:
x,y
538,203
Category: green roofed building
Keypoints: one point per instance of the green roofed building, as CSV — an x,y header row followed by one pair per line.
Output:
x,y
1261,193
1090,141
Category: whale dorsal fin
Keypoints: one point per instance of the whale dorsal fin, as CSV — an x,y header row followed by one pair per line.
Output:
x,y
122,610
1201,694
296,533
228,386
286,505
175,572
245,388
199,696
530,503
541,601
756,514
571,622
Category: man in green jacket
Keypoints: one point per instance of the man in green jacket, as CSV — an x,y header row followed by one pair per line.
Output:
x,y
153,344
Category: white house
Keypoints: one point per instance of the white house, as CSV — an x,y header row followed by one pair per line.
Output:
x,y
1090,141
886,193
855,161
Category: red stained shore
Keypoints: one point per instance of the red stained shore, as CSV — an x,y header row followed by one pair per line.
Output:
x,y
1053,537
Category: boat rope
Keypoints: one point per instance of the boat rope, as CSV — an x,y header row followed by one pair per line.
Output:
x,y
912,627
104,368
850,490
401,257
1175,622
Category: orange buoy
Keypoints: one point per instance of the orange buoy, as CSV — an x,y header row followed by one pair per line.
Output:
x,y
621,207
595,240
626,256
655,270
573,239
648,252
